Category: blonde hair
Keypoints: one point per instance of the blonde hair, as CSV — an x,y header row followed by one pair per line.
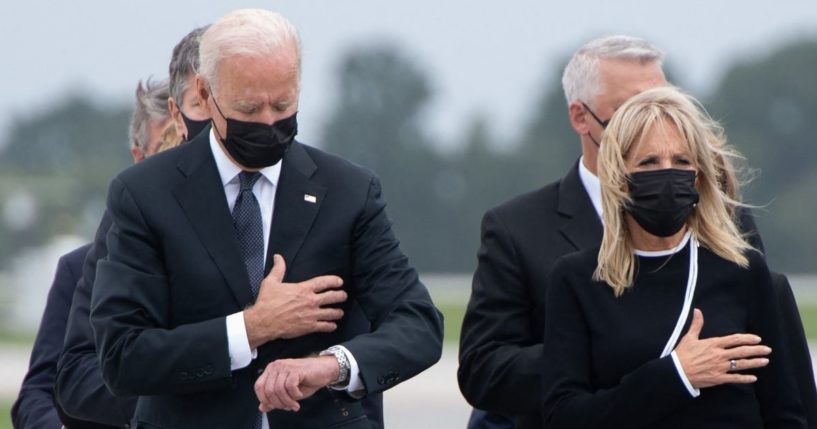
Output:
x,y
170,138
713,220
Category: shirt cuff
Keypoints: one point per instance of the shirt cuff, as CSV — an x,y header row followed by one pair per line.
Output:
x,y
355,388
692,391
237,342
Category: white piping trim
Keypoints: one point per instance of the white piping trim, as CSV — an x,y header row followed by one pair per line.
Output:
x,y
692,280
667,252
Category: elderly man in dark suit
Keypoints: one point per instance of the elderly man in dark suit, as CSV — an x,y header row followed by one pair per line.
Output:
x,y
501,342
234,258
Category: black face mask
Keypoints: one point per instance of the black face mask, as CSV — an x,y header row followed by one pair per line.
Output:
x,y
258,145
662,200
193,126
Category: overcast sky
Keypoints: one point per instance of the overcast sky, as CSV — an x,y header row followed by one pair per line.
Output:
x,y
490,56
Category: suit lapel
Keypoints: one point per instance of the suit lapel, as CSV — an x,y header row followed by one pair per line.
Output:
x,y
581,225
297,201
201,196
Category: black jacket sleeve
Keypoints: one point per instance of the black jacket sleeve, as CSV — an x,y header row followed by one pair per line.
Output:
x,y
796,341
80,389
777,391
34,407
407,330
498,352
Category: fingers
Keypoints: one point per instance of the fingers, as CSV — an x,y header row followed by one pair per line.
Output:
x,y
330,314
746,352
696,325
279,268
261,393
325,327
736,378
742,364
322,283
735,340
279,390
331,297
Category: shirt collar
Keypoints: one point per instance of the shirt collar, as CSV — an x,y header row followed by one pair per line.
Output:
x,y
229,171
591,185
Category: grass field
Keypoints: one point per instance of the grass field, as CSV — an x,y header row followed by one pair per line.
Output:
x,y
5,413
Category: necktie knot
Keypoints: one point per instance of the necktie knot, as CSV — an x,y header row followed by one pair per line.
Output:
x,y
247,179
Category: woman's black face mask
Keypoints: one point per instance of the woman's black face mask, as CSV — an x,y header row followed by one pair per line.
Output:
x,y
258,145
662,200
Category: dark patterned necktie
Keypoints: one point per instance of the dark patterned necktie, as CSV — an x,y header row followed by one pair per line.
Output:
x,y
250,230
248,226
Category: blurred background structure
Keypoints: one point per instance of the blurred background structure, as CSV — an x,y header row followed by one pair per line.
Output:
x,y
457,105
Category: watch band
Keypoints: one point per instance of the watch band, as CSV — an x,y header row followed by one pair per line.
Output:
x,y
343,364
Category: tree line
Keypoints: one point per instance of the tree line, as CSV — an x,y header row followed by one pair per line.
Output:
x,y
63,158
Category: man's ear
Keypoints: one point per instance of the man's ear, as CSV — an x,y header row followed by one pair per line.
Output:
x,y
202,89
578,117
176,117
137,154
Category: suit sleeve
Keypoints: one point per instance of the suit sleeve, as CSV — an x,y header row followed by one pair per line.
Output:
x,y
500,357
795,337
80,388
140,351
641,398
34,407
777,391
407,329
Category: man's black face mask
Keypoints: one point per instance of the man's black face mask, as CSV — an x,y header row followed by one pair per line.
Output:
x,y
258,145
662,200
193,126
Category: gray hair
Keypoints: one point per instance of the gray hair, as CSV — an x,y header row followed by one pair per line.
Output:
x,y
151,106
183,63
251,32
581,81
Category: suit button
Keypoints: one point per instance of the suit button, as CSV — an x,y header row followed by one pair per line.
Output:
x,y
259,371
344,413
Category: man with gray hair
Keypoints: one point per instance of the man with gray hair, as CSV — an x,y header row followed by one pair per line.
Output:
x,y
501,342
185,107
501,350
149,119
235,260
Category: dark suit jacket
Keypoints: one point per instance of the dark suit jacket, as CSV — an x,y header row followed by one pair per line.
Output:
x,y
35,407
501,342
174,272
798,347
79,387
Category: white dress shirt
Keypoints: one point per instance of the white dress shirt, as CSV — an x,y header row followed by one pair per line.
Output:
x,y
264,190
591,185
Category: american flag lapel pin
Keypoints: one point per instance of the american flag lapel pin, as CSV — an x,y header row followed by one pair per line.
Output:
x,y
310,198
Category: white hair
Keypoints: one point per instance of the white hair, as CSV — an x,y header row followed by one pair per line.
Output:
x,y
150,108
248,32
581,79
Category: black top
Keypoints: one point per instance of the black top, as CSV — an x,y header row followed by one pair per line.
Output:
x,y
602,365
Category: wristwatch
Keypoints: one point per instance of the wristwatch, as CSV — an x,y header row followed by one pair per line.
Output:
x,y
343,364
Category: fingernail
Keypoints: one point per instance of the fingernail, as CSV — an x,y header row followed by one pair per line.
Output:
x,y
765,361
754,379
